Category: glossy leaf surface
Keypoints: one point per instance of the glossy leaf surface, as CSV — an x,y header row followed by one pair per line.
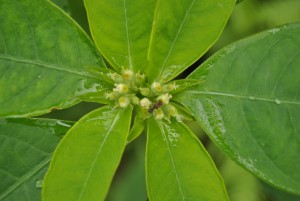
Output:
x,y
250,104
42,58
121,30
182,32
178,167
86,159
26,149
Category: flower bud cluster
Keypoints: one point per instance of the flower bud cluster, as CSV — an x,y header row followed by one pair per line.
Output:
x,y
132,89
126,87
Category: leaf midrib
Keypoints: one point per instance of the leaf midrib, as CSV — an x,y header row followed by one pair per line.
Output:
x,y
25,177
172,159
250,97
127,35
116,118
46,65
175,39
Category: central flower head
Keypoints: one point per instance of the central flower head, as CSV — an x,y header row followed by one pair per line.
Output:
x,y
153,99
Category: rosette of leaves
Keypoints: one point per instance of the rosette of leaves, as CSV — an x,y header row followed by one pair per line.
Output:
x,y
246,97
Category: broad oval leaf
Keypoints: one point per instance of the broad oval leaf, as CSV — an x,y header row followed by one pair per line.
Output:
x,y
182,32
121,30
42,58
25,153
86,159
250,104
178,167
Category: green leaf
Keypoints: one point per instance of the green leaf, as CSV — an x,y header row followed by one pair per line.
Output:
x,y
42,54
121,30
250,104
183,84
178,167
86,159
137,128
182,32
26,149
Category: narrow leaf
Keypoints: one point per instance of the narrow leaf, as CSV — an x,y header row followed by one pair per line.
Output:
x,y
42,58
137,128
121,30
182,32
250,104
25,152
178,167
86,159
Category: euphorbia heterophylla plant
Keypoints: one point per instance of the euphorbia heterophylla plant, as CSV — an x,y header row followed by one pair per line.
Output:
x,y
246,98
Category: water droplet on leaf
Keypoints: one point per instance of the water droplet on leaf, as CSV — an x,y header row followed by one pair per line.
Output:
x,y
39,183
277,101
251,97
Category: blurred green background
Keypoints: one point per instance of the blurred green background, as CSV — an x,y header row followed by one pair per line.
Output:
x,y
249,17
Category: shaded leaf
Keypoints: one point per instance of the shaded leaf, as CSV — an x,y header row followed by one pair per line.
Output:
x,y
178,167
25,152
86,159
137,128
250,104
42,58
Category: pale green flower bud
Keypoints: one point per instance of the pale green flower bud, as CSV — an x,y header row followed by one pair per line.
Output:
x,y
115,77
121,88
139,79
156,87
159,114
124,101
145,91
127,74
169,87
134,99
164,98
171,110
112,95
145,102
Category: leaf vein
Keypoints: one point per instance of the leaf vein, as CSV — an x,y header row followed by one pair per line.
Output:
x,y
46,65
176,37
282,71
97,156
172,159
28,175
127,36
212,93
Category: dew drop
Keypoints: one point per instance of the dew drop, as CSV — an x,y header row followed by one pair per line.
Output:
x,y
251,97
277,101
39,183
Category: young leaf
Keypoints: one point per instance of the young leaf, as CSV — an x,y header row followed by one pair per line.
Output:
x,y
42,58
137,128
182,32
178,167
26,149
121,30
86,159
250,104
